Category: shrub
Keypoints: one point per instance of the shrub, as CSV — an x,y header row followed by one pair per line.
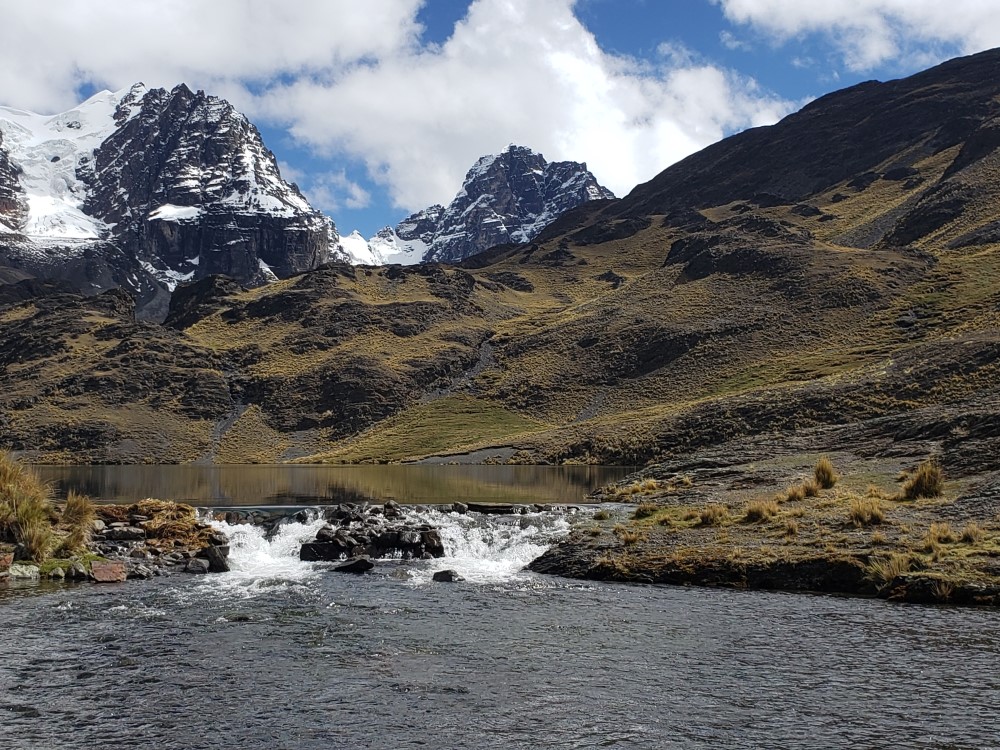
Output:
x,y
866,511
810,488
824,473
713,514
926,481
760,510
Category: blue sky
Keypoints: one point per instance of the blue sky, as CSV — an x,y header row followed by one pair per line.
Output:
x,y
378,108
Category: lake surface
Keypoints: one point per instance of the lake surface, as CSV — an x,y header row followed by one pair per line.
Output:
x,y
284,654
297,485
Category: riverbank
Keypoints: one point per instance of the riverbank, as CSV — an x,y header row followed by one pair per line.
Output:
x,y
912,537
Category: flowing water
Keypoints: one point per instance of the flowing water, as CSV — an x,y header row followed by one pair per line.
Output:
x,y
284,654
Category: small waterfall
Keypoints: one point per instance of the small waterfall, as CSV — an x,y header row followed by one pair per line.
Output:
x,y
258,563
481,548
491,549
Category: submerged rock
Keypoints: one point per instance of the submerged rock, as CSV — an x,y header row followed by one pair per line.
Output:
x,y
447,576
359,565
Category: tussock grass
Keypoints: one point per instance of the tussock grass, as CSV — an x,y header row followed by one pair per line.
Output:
x,y
973,533
926,481
884,570
760,510
602,515
791,527
810,488
25,509
866,511
941,533
713,514
795,493
629,535
824,473
78,519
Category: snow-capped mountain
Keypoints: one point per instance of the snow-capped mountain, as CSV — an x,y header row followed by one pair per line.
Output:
x,y
150,188
507,197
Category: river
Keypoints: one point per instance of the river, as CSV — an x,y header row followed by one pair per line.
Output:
x,y
284,654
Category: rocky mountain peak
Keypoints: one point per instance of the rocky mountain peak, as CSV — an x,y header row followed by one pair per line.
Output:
x,y
506,197
155,187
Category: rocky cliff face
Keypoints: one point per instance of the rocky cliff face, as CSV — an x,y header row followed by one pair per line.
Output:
x,y
506,198
153,188
200,194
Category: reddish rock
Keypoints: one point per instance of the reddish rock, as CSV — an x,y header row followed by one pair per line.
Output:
x,y
6,560
108,571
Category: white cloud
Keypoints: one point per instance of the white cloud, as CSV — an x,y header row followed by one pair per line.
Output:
x,y
333,191
353,81
518,71
730,41
48,48
869,33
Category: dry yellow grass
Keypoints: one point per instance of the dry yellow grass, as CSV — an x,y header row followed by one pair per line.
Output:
x,y
865,511
824,473
760,510
926,481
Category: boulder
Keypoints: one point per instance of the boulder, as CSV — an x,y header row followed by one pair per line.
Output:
x,y
447,576
460,508
218,558
197,565
24,571
108,571
320,552
358,565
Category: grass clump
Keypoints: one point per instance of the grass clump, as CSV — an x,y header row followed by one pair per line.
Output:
x,y
866,511
973,533
629,535
713,514
645,510
760,510
941,533
884,570
824,473
926,481
78,519
602,515
25,509
795,493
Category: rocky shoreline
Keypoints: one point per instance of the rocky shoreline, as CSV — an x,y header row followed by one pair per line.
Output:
x,y
731,526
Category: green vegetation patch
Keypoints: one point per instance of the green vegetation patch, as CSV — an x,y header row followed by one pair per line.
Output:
x,y
447,425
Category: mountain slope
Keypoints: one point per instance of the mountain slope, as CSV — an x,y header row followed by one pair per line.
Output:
x,y
506,198
858,313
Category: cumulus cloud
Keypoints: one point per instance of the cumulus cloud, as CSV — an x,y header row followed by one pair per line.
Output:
x,y
333,191
48,49
355,82
517,71
869,33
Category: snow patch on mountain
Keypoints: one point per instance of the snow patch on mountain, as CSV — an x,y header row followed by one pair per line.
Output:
x,y
47,150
